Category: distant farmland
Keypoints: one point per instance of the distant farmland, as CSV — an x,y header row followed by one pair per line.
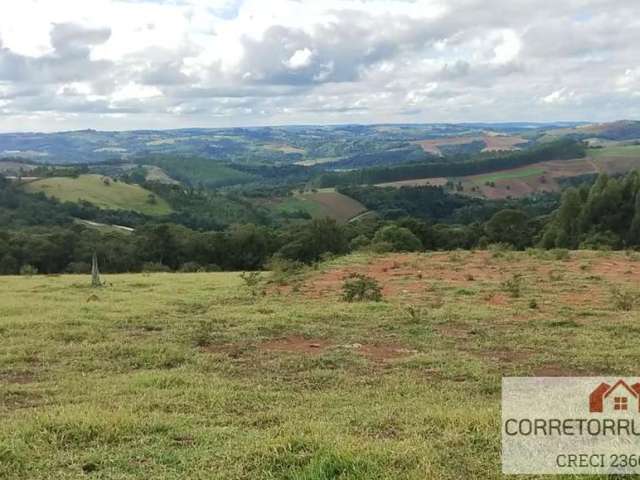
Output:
x,y
108,195
324,203
492,142
537,177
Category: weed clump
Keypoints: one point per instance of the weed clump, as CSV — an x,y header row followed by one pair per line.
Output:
x,y
359,288
252,281
624,299
513,285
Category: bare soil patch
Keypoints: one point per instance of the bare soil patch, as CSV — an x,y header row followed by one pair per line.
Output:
x,y
297,344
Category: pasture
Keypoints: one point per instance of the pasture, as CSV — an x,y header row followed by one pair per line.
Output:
x,y
172,376
322,203
103,194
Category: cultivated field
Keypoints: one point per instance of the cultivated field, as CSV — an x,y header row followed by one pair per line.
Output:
x,y
538,177
321,204
92,188
492,142
173,376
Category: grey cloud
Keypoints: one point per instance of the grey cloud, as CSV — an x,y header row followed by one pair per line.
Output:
x,y
70,60
373,67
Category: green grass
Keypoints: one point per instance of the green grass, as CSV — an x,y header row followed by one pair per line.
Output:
x,y
509,175
325,202
202,170
91,188
169,376
616,151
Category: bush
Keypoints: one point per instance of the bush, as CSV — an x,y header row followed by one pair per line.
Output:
x,y
358,288
624,299
381,247
191,267
282,269
28,270
155,267
360,242
560,254
401,239
513,285
252,281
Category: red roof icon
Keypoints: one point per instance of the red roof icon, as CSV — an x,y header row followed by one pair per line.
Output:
x,y
619,393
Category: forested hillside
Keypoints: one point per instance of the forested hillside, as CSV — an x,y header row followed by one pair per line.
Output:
x,y
565,148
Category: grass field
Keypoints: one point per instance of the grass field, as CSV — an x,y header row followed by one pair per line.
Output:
x,y
323,203
173,376
510,174
116,195
616,151
201,170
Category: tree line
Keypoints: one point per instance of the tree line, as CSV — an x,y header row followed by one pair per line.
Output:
x,y
562,149
605,214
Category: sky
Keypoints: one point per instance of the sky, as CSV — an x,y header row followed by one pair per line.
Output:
x,y
138,64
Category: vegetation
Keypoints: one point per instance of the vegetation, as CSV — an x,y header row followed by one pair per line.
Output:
x,y
361,288
100,191
565,148
172,376
606,215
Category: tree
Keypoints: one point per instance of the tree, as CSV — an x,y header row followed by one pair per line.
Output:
x,y
399,239
509,226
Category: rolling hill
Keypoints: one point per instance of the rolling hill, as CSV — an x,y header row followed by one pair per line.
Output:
x,y
101,192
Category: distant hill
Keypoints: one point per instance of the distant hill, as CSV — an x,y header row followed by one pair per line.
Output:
x,y
102,192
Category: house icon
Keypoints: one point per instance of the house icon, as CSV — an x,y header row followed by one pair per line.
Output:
x,y
615,399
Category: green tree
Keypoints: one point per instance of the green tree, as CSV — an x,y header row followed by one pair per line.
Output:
x,y
509,226
400,239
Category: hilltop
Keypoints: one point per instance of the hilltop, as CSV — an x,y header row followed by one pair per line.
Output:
x,y
172,375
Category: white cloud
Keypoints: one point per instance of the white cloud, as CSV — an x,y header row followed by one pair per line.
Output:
x,y
176,63
300,59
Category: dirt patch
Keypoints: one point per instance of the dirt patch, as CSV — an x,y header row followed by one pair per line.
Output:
x,y
496,299
296,344
501,142
405,275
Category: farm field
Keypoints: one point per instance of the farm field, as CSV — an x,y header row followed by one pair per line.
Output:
x,y
91,188
538,177
323,203
492,142
172,376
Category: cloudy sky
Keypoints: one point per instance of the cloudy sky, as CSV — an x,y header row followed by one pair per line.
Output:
x,y
124,64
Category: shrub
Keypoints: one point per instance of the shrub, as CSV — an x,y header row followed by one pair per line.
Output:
x,y
360,242
358,288
513,285
415,314
560,254
252,282
401,239
283,269
191,267
155,267
28,270
381,247
624,299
